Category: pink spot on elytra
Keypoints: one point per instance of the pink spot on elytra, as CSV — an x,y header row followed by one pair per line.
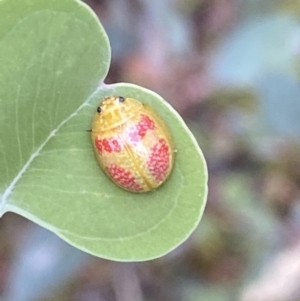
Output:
x,y
123,177
158,162
133,135
107,144
138,131
144,125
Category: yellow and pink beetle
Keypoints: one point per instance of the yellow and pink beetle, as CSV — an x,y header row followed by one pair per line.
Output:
x,y
132,143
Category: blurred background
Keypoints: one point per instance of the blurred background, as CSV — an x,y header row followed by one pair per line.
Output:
x,y
231,69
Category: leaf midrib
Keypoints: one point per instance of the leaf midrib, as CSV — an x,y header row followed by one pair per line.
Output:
x,y
8,191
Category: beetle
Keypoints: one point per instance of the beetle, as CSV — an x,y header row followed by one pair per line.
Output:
x,y
132,143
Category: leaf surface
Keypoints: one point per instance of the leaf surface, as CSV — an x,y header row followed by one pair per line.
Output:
x,y
53,55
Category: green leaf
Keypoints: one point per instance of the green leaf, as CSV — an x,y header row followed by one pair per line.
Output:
x,y
53,54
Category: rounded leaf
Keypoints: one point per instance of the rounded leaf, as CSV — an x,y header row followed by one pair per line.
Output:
x,y
49,171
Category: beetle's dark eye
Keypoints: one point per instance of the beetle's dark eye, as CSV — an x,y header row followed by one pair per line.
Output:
x,y
121,99
99,109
